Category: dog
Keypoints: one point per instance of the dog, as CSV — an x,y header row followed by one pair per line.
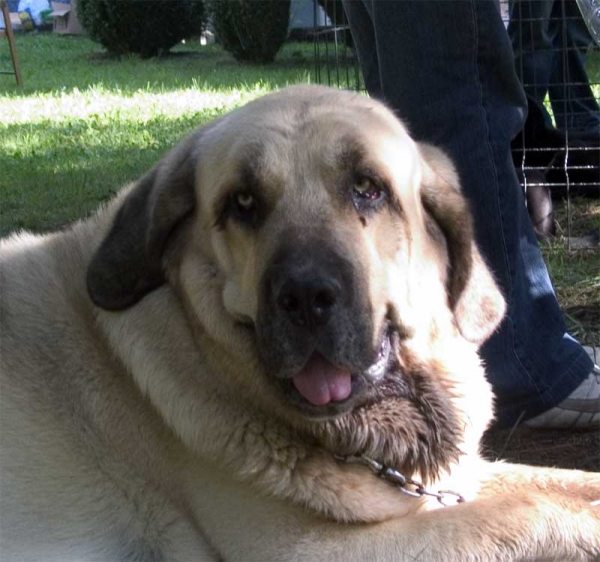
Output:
x,y
266,349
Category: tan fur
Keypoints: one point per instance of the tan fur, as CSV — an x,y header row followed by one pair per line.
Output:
x,y
147,426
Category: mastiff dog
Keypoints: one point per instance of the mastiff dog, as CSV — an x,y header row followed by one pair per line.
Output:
x,y
264,349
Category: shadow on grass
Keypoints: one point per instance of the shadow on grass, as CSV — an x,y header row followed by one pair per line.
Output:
x,y
53,174
558,448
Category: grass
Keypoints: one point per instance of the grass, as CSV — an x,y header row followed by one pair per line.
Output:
x,y
84,124
576,273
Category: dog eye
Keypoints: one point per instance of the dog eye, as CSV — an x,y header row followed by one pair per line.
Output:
x,y
366,193
366,189
245,201
244,207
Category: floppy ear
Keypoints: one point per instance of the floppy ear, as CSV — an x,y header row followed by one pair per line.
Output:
x,y
473,295
128,263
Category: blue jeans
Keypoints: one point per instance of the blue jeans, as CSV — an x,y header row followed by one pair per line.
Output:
x,y
447,69
550,40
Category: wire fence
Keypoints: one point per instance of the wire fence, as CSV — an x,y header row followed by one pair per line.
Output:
x,y
557,155
336,63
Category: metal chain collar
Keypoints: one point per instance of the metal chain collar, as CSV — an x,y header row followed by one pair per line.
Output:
x,y
400,481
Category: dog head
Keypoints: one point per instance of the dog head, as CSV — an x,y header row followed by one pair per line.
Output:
x,y
327,262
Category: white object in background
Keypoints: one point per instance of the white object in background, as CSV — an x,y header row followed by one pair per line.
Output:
x,y
35,7
590,10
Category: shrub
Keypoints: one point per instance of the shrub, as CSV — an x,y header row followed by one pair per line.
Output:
x,y
139,26
251,30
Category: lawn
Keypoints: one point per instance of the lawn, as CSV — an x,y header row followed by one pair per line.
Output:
x,y
84,124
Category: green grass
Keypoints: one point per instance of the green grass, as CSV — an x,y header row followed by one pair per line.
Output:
x,y
84,124
593,69
576,273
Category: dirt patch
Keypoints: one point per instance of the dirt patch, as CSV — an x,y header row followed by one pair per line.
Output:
x,y
559,448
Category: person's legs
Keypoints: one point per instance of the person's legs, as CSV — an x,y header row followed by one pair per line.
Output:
x,y
447,68
532,31
573,102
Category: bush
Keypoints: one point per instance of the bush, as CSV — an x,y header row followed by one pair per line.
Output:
x,y
251,30
140,26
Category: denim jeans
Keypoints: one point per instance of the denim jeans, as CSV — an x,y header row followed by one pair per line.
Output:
x,y
447,68
550,40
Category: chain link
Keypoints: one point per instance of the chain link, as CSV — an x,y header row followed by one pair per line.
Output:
x,y
403,483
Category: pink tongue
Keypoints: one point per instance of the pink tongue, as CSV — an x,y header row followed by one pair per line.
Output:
x,y
320,382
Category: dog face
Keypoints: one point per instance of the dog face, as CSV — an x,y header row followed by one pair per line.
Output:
x,y
321,256
309,225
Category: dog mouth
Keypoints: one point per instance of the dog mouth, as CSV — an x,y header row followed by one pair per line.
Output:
x,y
323,389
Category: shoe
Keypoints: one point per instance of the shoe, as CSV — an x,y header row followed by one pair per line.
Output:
x,y
581,410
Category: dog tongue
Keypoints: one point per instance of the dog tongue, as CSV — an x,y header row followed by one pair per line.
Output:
x,y
321,382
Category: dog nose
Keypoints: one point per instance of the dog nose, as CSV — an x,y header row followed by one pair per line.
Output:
x,y
308,302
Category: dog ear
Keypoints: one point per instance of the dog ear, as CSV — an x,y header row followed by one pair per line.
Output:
x,y
473,295
128,263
